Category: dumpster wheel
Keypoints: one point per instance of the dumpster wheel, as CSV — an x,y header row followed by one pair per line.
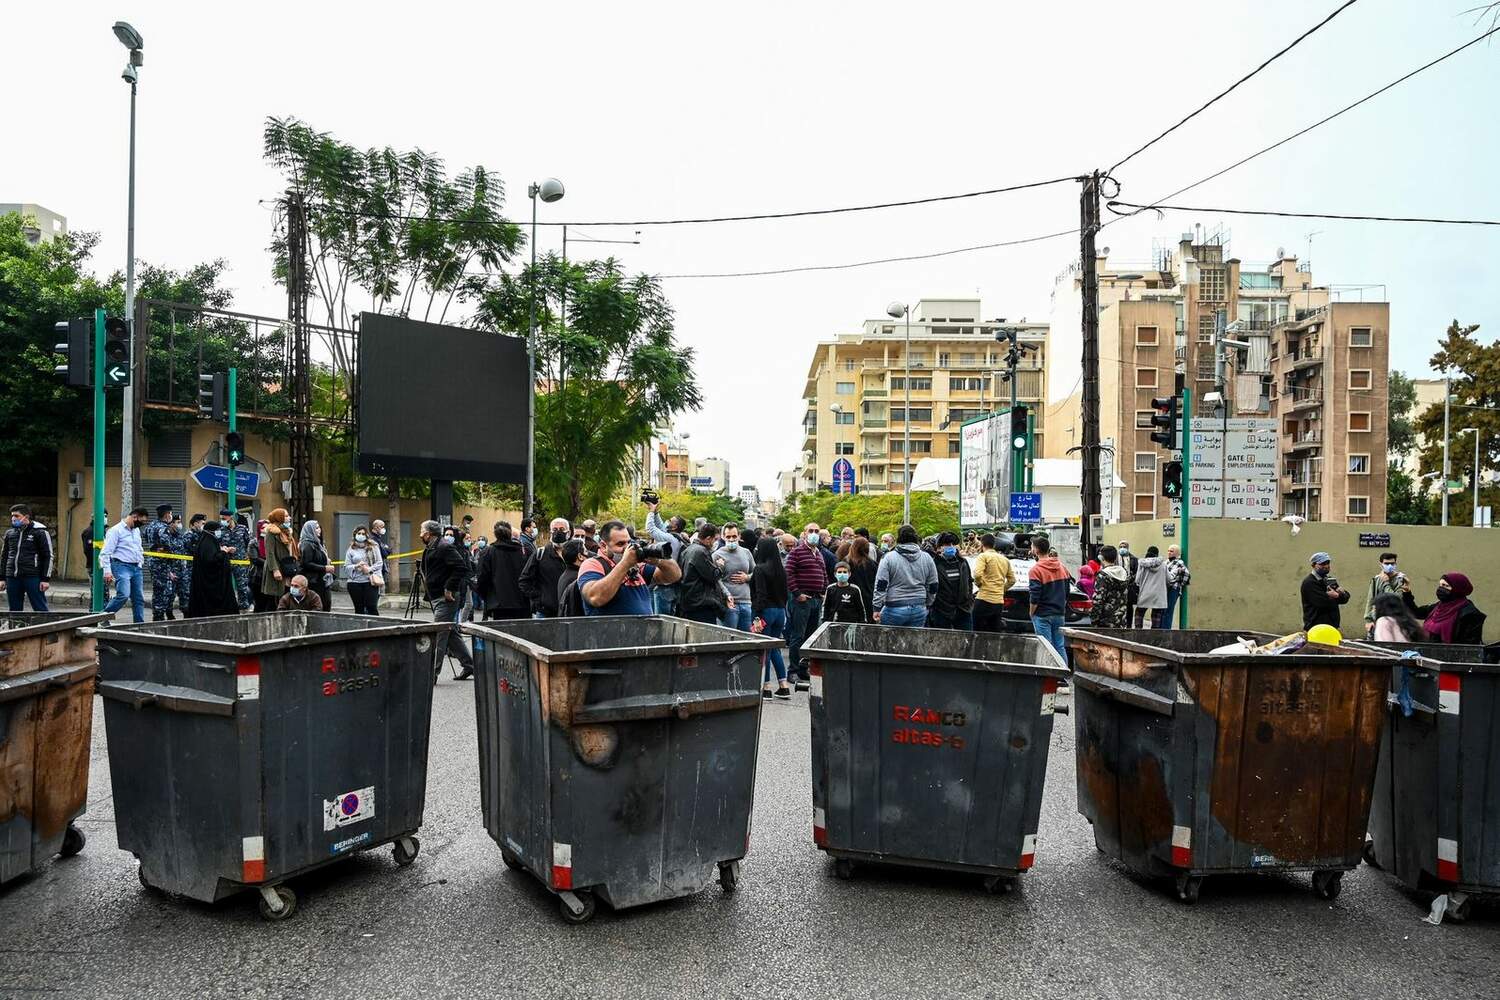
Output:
x,y
843,868
999,885
729,875
285,905
1368,854
1188,887
511,861
403,854
1328,884
585,901
73,841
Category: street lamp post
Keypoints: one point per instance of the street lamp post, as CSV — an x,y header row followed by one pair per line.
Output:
x,y
131,39
550,190
897,310
1474,517
1447,399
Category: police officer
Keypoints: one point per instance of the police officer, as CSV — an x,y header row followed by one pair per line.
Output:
x,y
175,541
154,540
189,546
238,536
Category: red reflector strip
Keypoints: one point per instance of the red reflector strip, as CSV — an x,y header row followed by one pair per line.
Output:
x,y
1447,859
1449,689
820,831
247,677
1182,847
562,866
247,666
1028,852
1049,685
814,668
253,868
562,878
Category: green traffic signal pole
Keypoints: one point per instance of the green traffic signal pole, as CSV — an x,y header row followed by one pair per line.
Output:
x,y
1187,493
234,470
96,597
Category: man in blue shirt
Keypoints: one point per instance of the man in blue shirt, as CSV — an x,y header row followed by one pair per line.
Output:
x,y
123,561
616,581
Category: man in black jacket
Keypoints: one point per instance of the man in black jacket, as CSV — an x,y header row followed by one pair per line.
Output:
x,y
954,605
702,597
26,560
1321,594
498,578
545,567
445,570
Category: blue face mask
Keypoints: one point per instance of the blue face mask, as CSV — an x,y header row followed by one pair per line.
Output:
x,y
296,591
950,551
15,522
1388,568
841,577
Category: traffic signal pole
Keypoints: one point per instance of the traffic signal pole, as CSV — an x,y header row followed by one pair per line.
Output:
x,y
234,470
1187,495
96,595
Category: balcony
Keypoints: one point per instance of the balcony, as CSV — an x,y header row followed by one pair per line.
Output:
x,y
1305,441
1307,357
1299,475
880,392
873,424
1304,399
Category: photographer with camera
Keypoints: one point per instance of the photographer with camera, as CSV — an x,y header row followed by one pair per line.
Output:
x,y
704,597
670,534
617,580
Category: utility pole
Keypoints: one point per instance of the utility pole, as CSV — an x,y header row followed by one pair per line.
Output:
x,y
1088,227
1447,398
96,598
234,469
1187,493
296,294
128,420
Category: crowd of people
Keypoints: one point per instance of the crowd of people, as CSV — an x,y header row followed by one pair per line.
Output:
x,y
1392,613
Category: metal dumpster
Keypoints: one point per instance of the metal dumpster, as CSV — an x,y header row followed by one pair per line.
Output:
x,y
1193,764
929,747
617,754
1433,823
46,717
245,750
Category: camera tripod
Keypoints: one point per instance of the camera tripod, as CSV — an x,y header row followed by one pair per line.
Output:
x,y
415,603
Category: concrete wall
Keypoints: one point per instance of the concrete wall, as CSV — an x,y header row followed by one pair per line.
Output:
x,y
1246,574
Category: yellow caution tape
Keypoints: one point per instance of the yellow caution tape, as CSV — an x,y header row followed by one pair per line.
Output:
x,y
246,562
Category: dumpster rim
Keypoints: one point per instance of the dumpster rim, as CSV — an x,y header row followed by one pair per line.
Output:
x,y
1162,653
1059,672
1432,662
137,633
749,643
82,620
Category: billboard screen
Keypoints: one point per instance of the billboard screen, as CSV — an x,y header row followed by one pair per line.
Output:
x,y
984,471
440,402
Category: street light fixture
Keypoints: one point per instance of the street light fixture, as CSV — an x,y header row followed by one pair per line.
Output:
x,y
549,190
898,310
132,40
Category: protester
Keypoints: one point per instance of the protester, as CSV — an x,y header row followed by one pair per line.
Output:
x,y
1048,586
862,569
26,560
1131,564
444,570
887,543
1453,619
953,607
1151,590
703,597
543,569
616,581
156,545
1394,621
299,598
498,578
569,597
281,557
1321,594
527,538
825,549
257,564
736,564
382,539
670,534
1111,591
123,560
906,582
994,577
313,560
844,601
366,572
806,580
213,580
1086,574
1178,579
768,602
1388,581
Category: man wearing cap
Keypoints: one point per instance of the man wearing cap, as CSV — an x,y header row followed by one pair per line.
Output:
x,y
1321,593
237,537
155,543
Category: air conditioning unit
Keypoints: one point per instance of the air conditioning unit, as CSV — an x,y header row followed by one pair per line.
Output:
x,y
75,486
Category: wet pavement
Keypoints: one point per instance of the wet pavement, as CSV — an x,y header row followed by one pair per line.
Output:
x,y
457,923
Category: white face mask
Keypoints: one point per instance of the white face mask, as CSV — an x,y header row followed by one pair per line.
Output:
x,y
360,537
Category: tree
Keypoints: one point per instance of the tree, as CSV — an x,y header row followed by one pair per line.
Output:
x,y
1401,396
1474,368
1404,502
713,507
880,512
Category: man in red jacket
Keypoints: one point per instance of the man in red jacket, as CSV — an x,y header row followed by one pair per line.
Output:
x,y
806,580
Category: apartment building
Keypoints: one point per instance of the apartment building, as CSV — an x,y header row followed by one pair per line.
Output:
x,y
710,475
858,383
41,225
1265,337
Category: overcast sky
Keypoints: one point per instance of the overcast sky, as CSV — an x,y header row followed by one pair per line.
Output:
x,y
657,110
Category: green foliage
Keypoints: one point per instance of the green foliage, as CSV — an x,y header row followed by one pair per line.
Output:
x,y
717,508
1401,394
1404,502
880,512
1475,370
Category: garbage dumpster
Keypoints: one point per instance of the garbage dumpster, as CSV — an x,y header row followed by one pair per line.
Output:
x,y
1192,763
46,718
929,747
617,754
1433,822
246,750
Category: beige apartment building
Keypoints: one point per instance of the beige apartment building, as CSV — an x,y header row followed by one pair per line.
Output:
x,y
856,391
1317,366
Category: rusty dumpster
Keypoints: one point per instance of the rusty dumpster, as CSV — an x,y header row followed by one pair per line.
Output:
x,y
617,754
1192,763
1434,823
929,747
46,719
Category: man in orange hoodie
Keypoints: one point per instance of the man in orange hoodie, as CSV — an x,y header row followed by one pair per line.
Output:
x,y
1048,585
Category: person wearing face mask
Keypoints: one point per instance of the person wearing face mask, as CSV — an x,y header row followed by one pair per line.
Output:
x,y
862,569
26,560
314,559
616,580
906,582
569,597
299,598
189,547
671,534
527,538
887,543
994,577
498,578
736,565
1389,580
237,536
213,581
953,607
154,542
1321,594
806,580
843,601
704,596
444,571
123,560
543,569
381,538
281,557
366,573
1453,618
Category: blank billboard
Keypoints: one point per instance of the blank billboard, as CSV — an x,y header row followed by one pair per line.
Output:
x,y
440,402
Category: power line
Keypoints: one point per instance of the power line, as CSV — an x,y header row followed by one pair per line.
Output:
x,y
1224,93
1307,215
1323,121
871,263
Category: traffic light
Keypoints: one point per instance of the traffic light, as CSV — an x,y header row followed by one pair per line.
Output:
x,y
80,367
211,390
1166,418
234,448
1171,480
116,352
1018,427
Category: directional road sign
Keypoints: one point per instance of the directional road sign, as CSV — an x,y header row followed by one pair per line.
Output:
x,y
215,479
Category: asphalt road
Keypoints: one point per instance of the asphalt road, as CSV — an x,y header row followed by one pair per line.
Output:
x,y
457,923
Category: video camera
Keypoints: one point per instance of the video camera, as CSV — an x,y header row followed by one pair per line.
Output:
x,y
646,550
650,497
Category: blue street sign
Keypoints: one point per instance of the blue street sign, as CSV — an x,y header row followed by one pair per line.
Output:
x,y
215,479
1026,508
843,477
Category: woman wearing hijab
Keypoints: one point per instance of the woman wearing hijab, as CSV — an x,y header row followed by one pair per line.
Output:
x,y
281,559
1086,575
314,560
213,577
1453,619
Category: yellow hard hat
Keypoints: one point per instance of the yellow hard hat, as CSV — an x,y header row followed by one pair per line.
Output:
x,y
1325,635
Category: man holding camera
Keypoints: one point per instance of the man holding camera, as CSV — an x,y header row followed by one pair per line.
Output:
x,y
670,534
617,580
